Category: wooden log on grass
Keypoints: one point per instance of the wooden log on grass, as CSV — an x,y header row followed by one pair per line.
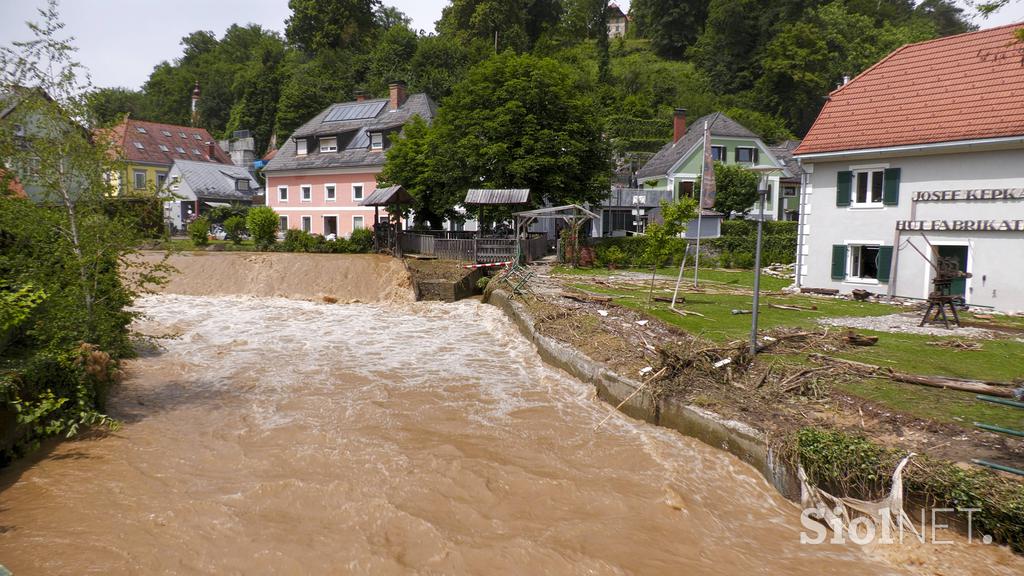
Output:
x,y
793,307
860,339
584,297
1001,389
821,291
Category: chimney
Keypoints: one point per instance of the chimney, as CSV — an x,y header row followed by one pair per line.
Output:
x,y
397,94
678,124
195,104
360,95
211,150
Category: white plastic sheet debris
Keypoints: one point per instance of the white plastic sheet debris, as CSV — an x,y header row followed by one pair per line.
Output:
x,y
602,312
721,363
642,322
646,371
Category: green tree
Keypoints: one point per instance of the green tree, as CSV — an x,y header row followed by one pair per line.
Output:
x,y
441,62
522,122
726,50
310,86
410,163
658,237
735,189
68,246
391,58
671,25
318,25
262,223
109,105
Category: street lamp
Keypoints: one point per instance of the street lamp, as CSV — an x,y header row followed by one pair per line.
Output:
x,y
762,195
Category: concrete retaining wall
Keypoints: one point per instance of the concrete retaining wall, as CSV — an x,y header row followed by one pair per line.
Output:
x,y
744,441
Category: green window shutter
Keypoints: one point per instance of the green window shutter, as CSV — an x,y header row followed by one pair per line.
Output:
x,y
839,261
884,262
844,186
891,187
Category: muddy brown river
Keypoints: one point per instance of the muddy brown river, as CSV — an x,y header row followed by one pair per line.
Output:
x,y
274,436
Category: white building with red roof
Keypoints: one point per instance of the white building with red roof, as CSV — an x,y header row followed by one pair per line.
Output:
x,y
918,158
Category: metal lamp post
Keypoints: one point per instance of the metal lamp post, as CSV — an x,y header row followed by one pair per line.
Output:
x,y
762,195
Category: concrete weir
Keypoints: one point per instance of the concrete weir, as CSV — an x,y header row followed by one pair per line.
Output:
x,y
740,439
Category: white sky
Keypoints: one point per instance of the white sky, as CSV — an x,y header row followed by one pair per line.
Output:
x,y
120,41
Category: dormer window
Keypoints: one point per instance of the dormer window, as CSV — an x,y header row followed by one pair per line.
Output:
x,y
242,184
139,145
746,155
376,141
300,146
165,133
140,129
329,144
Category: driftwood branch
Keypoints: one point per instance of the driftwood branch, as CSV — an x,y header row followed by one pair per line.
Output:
x,y
1001,389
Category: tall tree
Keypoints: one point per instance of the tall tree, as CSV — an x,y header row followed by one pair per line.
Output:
x,y
727,48
519,122
671,25
109,105
317,25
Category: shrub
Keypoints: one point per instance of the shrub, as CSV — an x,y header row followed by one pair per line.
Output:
x,y
262,224
361,240
482,282
235,228
611,257
296,240
199,231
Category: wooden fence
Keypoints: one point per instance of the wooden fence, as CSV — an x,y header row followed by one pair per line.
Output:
x,y
476,250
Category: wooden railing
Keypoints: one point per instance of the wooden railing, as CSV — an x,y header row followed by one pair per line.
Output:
x,y
476,250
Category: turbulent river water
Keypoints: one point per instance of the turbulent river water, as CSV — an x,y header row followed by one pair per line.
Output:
x,y
273,436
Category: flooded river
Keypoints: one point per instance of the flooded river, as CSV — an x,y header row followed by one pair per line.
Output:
x,y
272,436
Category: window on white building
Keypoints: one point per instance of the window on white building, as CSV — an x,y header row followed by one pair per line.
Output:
x,y
330,194
867,187
300,146
307,192
329,144
863,263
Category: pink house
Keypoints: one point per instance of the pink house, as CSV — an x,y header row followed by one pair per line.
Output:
x,y
318,179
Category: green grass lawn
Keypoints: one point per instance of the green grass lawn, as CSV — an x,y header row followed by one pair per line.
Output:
x,y
1001,360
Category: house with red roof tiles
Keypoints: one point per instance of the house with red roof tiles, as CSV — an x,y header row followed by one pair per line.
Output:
x,y
919,162
149,149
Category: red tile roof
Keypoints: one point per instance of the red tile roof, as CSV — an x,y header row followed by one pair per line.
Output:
x,y
961,87
129,135
14,187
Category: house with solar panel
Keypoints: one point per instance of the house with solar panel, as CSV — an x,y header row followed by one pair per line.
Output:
x,y
318,179
916,166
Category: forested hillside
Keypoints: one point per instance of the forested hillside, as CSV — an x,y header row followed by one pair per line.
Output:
x,y
767,63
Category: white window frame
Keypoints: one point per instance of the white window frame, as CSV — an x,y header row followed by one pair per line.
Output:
x,y
282,218
858,246
135,179
725,153
362,223
306,224
325,148
161,179
300,147
753,154
376,140
334,192
362,191
282,193
305,192
854,185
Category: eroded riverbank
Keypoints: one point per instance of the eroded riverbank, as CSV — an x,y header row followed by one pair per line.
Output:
x,y
280,436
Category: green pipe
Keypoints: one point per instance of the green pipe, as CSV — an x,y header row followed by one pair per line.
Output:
x,y
999,429
997,400
1000,467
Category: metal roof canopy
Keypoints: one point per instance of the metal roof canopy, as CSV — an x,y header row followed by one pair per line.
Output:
x,y
477,196
388,196
573,214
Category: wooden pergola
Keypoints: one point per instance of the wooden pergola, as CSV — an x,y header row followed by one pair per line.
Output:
x,y
572,214
393,198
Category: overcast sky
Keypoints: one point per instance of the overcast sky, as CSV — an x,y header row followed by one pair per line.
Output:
x,y
120,41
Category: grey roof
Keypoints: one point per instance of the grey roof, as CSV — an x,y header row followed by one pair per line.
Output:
x,y
784,154
353,133
503,196
387,196
718,123
209,180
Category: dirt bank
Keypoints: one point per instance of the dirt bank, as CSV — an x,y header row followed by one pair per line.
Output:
x,y
340,277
